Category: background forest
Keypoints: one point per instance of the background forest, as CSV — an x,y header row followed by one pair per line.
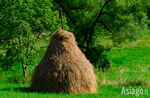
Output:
x,y
112,34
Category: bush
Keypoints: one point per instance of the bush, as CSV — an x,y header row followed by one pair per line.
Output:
x,y
97,58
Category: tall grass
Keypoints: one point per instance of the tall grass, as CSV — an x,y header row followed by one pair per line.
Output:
x,y
130,67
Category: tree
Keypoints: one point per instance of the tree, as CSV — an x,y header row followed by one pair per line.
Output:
x,y
123,20
22,24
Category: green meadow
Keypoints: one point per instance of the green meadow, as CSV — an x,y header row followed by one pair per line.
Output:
x,y
130,69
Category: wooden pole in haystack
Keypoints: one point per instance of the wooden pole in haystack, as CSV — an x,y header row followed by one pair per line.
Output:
x,y
62,18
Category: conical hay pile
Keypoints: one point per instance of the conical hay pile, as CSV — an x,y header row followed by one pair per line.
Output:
x,y
64,68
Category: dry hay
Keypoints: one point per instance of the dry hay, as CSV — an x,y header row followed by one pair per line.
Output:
x,y
64,68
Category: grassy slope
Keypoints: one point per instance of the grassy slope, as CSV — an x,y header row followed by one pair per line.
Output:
x,y
130,67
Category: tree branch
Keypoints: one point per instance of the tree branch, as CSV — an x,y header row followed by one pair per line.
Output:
x,y
67,13
104,13
97,19
105,25
99,3
100,13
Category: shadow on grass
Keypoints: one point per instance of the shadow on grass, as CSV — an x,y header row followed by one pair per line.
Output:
x,y
28,90
22,89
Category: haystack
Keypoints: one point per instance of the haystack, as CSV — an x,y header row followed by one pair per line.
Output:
x,y
64,68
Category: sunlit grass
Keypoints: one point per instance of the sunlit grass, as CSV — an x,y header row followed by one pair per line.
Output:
x,y
12,90
130,67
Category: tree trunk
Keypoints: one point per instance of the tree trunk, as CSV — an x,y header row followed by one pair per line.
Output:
x,y
24,69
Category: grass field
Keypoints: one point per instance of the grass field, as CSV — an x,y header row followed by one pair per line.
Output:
x,y
130,70
11,90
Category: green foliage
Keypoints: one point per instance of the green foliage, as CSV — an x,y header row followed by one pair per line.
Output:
x,y
128,20
23,23
123,20
97,58
15,75
7,60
